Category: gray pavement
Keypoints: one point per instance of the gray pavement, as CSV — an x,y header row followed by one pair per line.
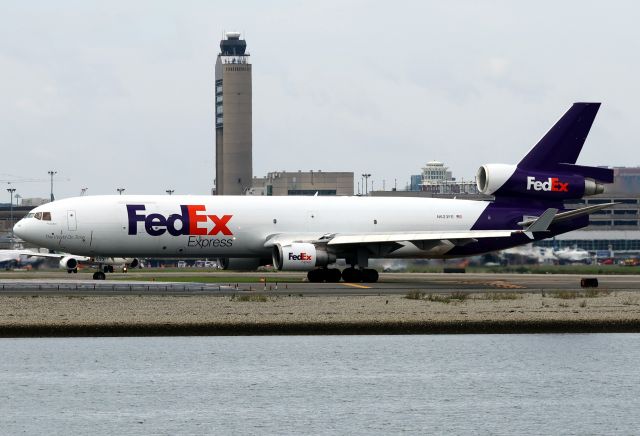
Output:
x,y
389,284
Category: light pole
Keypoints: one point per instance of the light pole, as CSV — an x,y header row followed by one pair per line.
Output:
x,y
120,190
11,191
52,173
366,183
170,191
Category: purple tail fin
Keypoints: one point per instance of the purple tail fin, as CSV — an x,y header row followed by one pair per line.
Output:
x,y
559,149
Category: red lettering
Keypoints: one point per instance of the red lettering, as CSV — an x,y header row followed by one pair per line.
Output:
x,y
194,219
220,225
558,186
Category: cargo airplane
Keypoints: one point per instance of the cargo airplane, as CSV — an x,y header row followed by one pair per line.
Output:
x,y
311,233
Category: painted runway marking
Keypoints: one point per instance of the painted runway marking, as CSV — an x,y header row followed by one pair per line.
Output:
x,y
356,286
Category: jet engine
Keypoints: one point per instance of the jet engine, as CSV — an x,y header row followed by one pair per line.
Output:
x,y
510,180
69,263
301,257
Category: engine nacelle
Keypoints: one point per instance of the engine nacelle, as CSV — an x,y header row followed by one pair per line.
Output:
x,y
491,177
506,180
300,257
69,263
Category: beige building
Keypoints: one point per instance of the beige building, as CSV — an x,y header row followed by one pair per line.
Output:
x,y
233,117
303,183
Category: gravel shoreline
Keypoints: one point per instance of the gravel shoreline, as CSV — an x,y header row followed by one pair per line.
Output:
x,y
133,315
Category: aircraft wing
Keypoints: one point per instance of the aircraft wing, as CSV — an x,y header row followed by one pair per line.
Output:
x,y
421,239
56,255
462,237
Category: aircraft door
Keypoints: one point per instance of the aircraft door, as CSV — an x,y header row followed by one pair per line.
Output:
x,y
71,220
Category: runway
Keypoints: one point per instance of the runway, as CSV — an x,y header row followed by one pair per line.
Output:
x,y
59,304
286,284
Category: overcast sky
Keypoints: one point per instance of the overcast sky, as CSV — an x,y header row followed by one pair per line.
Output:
x,y
120,93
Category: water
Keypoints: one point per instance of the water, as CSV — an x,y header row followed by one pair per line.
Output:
x,y
481,384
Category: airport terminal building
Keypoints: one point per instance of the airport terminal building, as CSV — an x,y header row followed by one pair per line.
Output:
x,y
303,183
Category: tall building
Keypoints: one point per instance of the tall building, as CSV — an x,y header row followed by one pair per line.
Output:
x,y
233,117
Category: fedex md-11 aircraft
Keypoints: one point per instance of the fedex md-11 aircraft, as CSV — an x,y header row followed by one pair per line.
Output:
x,y
311,233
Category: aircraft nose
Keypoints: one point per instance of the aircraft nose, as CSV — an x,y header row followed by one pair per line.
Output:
x,y
19,229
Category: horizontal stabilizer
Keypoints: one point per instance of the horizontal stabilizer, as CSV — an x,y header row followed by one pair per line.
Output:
x,y
542,223
570,214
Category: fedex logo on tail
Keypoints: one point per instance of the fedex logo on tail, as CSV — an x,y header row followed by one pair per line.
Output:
x,y
193,219
552,184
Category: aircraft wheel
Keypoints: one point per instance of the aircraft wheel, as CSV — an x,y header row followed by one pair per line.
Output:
x,y
369,275
110,268
69,271
333,275
99,275
315,276
352,275
75,270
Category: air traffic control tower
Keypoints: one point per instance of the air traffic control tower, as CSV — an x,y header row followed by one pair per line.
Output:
x,y
233,117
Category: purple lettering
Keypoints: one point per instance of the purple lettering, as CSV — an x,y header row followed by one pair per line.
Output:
x,y
155,220
134,218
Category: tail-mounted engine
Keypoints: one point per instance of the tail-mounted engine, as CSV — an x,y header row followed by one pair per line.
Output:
x,y
301,257
510,180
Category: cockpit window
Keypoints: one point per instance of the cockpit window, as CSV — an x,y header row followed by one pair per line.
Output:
x,y
44,216
30,215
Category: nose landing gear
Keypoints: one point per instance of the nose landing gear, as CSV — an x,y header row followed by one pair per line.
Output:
x,y
99,275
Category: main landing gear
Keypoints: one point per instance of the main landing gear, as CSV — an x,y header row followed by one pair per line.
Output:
x,y
329,275
349,275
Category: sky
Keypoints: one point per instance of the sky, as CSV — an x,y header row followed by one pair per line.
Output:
x,y
119,94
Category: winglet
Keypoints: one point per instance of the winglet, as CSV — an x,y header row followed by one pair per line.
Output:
x,y
542,223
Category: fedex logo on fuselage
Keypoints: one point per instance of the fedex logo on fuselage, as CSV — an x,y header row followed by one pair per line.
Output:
x,y
551,184
193,219
302,256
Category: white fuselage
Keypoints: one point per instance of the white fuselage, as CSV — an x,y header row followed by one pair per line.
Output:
x,y
231,226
